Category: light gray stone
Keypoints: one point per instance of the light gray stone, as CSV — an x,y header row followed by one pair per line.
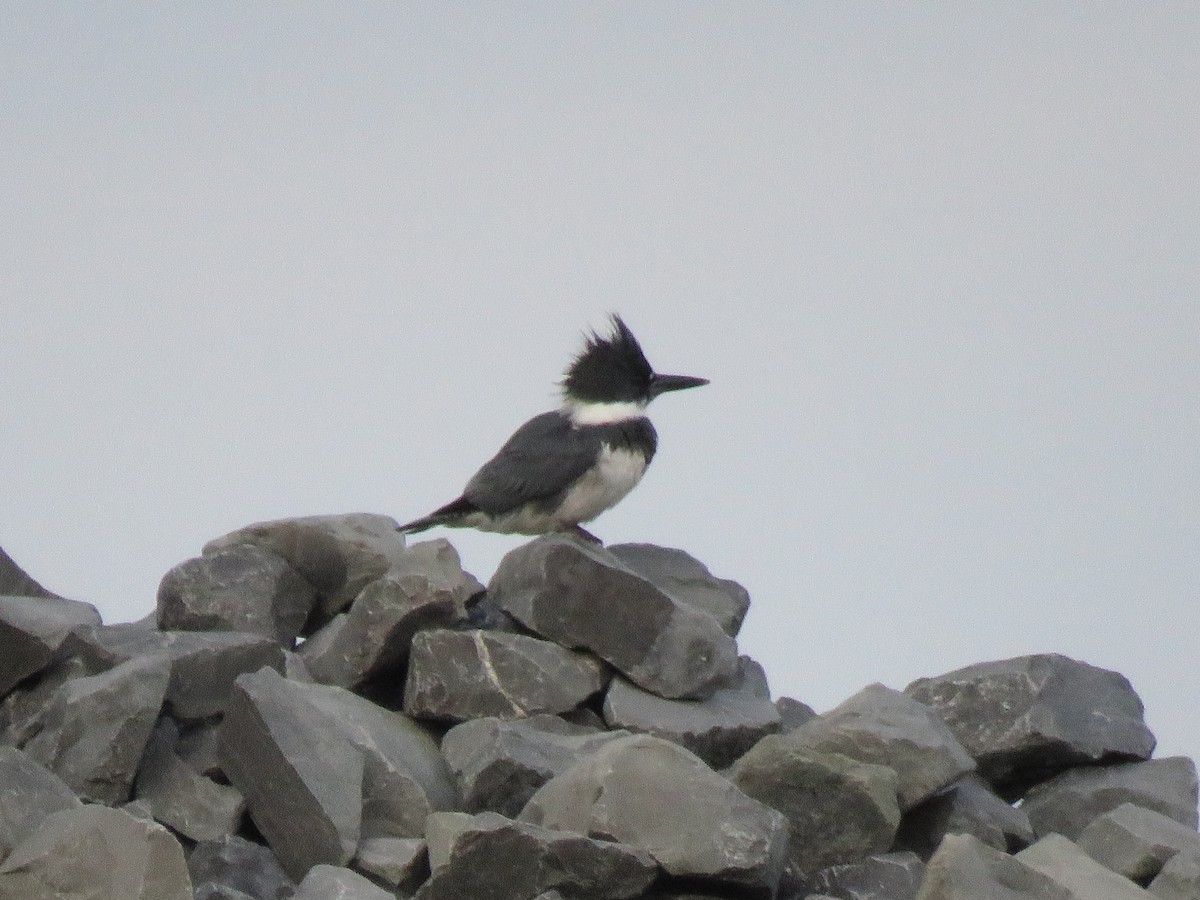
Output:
x,y
31,631
236,588
325,882
688,580
495,857
969,806
1028,718
23,710
237,864
1179,878
1137,842
1061,860
95,728
500,763
28,794
580,595
211,891
838,809
1067,803
96,853
656,796
441,831
964,868
458,675
401,864
888,876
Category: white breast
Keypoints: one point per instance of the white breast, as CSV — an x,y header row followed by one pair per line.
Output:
x,y
615,474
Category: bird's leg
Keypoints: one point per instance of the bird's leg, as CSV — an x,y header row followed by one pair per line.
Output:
x,y
581,532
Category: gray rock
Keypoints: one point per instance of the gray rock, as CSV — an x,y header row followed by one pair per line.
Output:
x,y
96,853
240,865
28,794
1067,804
793,713
427,588
31,631
301,776
500,763
1137,842
441,831
964,868
324,882
494,857
718,730
197,746
211,891
581,595
95,728
1179,878
15,582
22,711
1061,860
400,864
838,809
656,796
889,876
688,580
1026,719
338,555
237,588
179,797
882,726
457,675
969,806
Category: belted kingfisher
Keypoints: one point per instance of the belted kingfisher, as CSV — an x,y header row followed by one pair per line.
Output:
x,y
569,465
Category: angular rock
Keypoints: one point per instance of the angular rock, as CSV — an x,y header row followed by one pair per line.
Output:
x,y
493,857
718,730
96,853
197,747
1028,718
500,763
210,891
969,806
28,794
838,809
31,631
582,596
1137,842
889,876
95,728
688,580
1179,878
15,582
239,588
882,726
338,555
1061,860
964,868
400,864
236,864
324,882
658,797
441,831
1067,804
22,711
793,713
179,797
457,675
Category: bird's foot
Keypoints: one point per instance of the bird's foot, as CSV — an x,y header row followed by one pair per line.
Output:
x,y
580,532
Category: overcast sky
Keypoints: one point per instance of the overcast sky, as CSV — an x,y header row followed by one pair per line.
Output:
x,y
940,262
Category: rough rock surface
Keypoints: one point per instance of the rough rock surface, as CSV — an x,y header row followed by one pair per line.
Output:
x,y
1179,878
964,868
1028,718
889,876
28,794
400,864
324,882
1061,860
580,595
15,582
969,806
240,865
1137,842
31,632
793,713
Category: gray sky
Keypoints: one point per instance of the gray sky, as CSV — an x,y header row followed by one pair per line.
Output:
x,y
939,260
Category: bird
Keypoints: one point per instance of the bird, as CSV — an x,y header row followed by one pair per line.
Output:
x,y
569,465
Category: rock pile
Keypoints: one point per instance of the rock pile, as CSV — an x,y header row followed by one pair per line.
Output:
x,y
317,710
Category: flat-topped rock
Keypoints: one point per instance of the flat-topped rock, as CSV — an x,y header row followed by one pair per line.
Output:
x,y
1137,842
964,868
1062,861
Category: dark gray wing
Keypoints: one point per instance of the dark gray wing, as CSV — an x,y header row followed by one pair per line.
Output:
x,y
542,458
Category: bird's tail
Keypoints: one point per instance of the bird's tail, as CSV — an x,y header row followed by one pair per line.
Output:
x,y
449,515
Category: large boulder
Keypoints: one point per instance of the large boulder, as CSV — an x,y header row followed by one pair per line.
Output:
x,y
15,582
233,863
888,876
1059,859
964,868
969,806
28,794
31,632
1137,842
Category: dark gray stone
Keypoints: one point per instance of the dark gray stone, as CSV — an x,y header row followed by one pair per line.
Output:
x,y
1059,859
882,726
494,857
688,580
211,891
15,582
96,853
22,711
1179,878
580,595
31,631
325,882
499,763
400,864
237,588
1026,719
1137,842
793,713
964,868
338,555
28,794
889,876
95,728
197,746
654,795
240,865
718,730
838,809
969,806
458,675
1067,803
179,797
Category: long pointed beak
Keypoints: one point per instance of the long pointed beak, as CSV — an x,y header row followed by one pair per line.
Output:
x,y
661,384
